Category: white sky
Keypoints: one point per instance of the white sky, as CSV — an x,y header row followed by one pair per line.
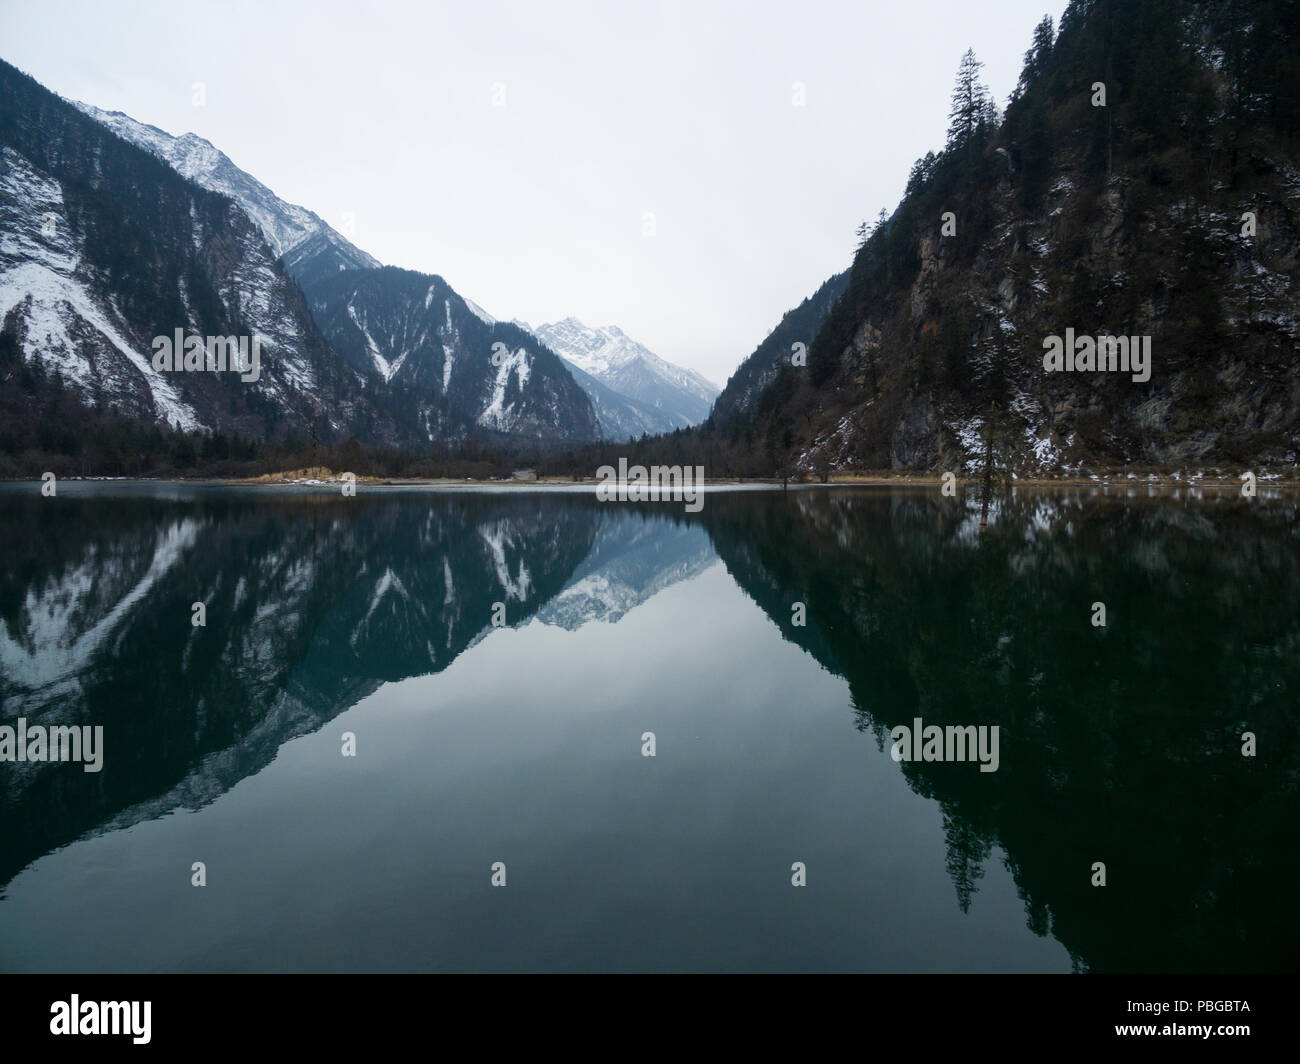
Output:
x,y
534,209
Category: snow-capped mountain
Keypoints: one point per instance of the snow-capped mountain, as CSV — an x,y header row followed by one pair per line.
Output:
x,y
681,397
452,369
410,329
114,233
300,237
103,249
620,418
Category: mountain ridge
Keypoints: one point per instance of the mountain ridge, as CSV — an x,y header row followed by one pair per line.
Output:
x,y
286,226
681,396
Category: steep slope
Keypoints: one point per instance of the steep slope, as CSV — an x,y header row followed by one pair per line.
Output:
x,y
104,248
799,326
1132,219
454,372
300,237
620,418
384,325
681,397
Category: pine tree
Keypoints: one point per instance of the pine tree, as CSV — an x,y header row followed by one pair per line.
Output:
x,y
972,104
1039,55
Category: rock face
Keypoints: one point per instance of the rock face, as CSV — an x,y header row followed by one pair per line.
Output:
x,y
306,244
447,369
116,233
105,248
1169,214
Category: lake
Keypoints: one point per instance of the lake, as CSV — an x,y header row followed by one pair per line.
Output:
x,y
523,730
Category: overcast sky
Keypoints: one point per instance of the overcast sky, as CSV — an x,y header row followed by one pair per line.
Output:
x,y
517,148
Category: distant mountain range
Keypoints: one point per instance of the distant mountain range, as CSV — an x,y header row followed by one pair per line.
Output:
x,y
453,371
634,391
391,356
678,397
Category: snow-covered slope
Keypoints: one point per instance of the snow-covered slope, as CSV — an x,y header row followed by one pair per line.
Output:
x,y
387,321
45,293
455,370
103,248
681,396
289,229
620,418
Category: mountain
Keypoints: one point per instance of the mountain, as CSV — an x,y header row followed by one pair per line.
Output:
x,y
620,418
679,397
1168,213
116,234
104,248
410,329
300,237
455,372
761,368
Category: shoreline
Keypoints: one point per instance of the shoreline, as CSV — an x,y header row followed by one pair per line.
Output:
x,y
324,479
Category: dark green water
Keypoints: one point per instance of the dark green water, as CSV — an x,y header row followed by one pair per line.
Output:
x,y
522,744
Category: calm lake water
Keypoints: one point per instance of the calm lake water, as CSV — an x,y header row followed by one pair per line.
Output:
x,y
523,743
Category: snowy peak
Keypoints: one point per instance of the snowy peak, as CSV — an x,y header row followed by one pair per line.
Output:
x,y
596,350
288,228
93,309
680,396
480,313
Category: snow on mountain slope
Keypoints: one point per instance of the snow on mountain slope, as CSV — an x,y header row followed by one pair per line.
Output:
x,y
286,226
453,367
378,325
105,247
681,396
620,418
44,286
480,313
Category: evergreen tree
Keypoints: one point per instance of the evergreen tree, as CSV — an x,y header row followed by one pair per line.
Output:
x,y
972,104
1038,58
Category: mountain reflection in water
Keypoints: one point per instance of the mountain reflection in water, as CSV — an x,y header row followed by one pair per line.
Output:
x,y
1119,744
